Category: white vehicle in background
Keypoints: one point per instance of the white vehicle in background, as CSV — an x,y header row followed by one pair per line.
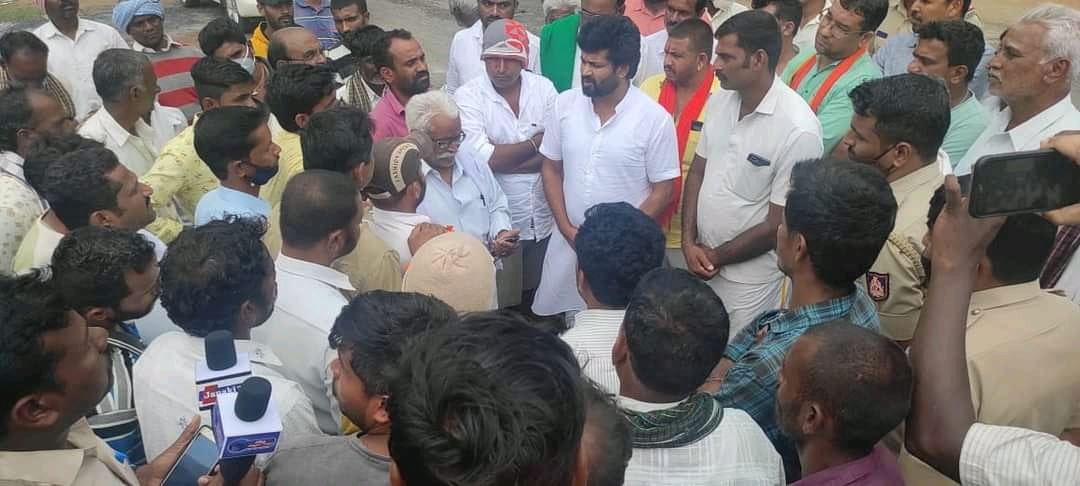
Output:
x,y
243,12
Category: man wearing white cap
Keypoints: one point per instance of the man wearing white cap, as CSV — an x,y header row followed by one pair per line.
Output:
x,y
468,44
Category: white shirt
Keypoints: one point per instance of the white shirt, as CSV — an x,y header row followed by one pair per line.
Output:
x,y
166,397
167,122
735,193
487,120
999,455
610,162
592,338
394,228
804,39
473,204
728,9
465,62
309,300
736,453
12,163
137,153
72,61
338,52
1026,136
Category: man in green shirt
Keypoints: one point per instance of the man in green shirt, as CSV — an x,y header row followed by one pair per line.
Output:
x,y
838,63
950,51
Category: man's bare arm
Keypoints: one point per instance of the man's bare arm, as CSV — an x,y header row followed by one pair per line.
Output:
x,y
659,198
751,243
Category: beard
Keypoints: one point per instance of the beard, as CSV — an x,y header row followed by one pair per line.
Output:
x,y
598,89
419,84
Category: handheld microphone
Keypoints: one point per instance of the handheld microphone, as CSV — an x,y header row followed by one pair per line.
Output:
x,y
222,371
246,423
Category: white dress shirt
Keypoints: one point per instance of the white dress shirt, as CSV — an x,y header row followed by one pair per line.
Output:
x,y
735,193
167,122
465,62
487,120
309,300
394,228
166,397
137,153
737,452
592,338
1025,136
474,203
72,61
1000,455
610,162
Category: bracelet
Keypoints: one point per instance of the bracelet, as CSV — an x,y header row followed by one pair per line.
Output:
x,y
535,148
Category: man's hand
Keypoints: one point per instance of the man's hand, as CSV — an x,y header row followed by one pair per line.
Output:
x,y
959,240
254,477
505,243
538,139
153,474
422,233
697,260
716,377
1068,144
570,233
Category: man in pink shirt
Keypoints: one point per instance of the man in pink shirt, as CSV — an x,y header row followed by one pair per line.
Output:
x,y
647,15
403,66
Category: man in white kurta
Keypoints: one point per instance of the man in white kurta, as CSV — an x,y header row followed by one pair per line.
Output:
x,y
468,44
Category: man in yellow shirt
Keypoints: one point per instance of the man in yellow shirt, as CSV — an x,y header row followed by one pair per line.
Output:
x,y
294,93
683,90
278,15
179,177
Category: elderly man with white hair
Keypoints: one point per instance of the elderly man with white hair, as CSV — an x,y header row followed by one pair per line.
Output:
x,y
461,190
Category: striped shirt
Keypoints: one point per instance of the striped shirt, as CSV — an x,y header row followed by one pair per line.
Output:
x,y
999,455
173,69
592,338
319,21
751,382
114,419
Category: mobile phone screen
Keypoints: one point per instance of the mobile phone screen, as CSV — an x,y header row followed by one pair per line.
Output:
x,y
197,460
1023,182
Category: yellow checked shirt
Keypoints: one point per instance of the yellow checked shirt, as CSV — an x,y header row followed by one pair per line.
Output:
x,y
651,87
290,163
897,280
178,176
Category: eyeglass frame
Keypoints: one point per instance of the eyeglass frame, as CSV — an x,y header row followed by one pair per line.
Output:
x,y
826,17
445,143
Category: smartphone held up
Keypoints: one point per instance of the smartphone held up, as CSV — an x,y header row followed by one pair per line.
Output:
x,y
1023,182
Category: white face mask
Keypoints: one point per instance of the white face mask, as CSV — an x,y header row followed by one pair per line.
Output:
x,y
247,61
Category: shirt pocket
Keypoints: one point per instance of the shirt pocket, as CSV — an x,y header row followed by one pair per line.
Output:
x,y
748,180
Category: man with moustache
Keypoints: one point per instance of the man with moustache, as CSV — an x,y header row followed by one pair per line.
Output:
x,y
278,14
789,14
235,143
653,45
683,90
403,67
607,142
468,44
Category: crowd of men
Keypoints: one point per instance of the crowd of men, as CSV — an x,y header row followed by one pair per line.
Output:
x,y
660,242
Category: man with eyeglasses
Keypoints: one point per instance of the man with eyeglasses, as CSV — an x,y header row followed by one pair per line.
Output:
x,y
24,63
465,49
838,63
461,190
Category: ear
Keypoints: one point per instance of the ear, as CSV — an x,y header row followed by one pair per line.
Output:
x,y
301,119
623,72
248,315
102,217
957,74
35,411
207,103
955,9
382,414
1058,69
760,59
905,154
811,420
336,240
702,60
800,245
97,315
787,29
620,352
387,74
866,38
367,17
233,169
582,284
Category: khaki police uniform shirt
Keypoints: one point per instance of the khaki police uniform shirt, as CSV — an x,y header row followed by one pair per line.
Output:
x,y
1022,362
87,461
898,22
897,280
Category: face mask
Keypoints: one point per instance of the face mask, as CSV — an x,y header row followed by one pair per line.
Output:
x,y
263,174
247,61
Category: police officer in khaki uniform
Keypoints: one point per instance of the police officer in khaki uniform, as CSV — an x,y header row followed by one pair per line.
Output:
x,y
897,21
898,126
1021,341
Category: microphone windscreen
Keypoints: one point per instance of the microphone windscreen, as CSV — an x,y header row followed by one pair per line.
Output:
x,y
252,398
220,350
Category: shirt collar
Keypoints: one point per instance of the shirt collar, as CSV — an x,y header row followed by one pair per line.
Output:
x,y
257,352
313,271
984,300
303,4
62,466
904,185
1029,130
114,131
476,30
12,163
392,102
849,472
457,171
639,406
782,320
767,106
384,216
169,44
85,26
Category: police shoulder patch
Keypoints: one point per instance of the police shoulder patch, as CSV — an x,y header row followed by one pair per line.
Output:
x,y
877,285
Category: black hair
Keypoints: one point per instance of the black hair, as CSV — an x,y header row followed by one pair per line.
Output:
x,y
697,31
219,32
845,211
873,12
16,114
489,400
47,150
676,329
225,135
381,55
616,245
378,325
118,70
907,108
618,36
863,381
316,203
213,77
77,184
754,31
606,438
786,10
90,263
1019,251
363,42
209,271
338,139
963,40
295,89
13,43
29,309
340,4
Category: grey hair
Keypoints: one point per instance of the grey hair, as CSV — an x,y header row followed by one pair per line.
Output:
x,y
465,12
118,70
1062,38
422,108
550,5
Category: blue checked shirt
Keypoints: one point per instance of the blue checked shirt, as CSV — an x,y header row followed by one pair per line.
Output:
x,y
751,383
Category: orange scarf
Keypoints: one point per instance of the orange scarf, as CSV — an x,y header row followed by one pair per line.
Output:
x,y
685,122
840,71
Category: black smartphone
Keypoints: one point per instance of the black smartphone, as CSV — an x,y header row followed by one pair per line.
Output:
x,y
1023,182
198,459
